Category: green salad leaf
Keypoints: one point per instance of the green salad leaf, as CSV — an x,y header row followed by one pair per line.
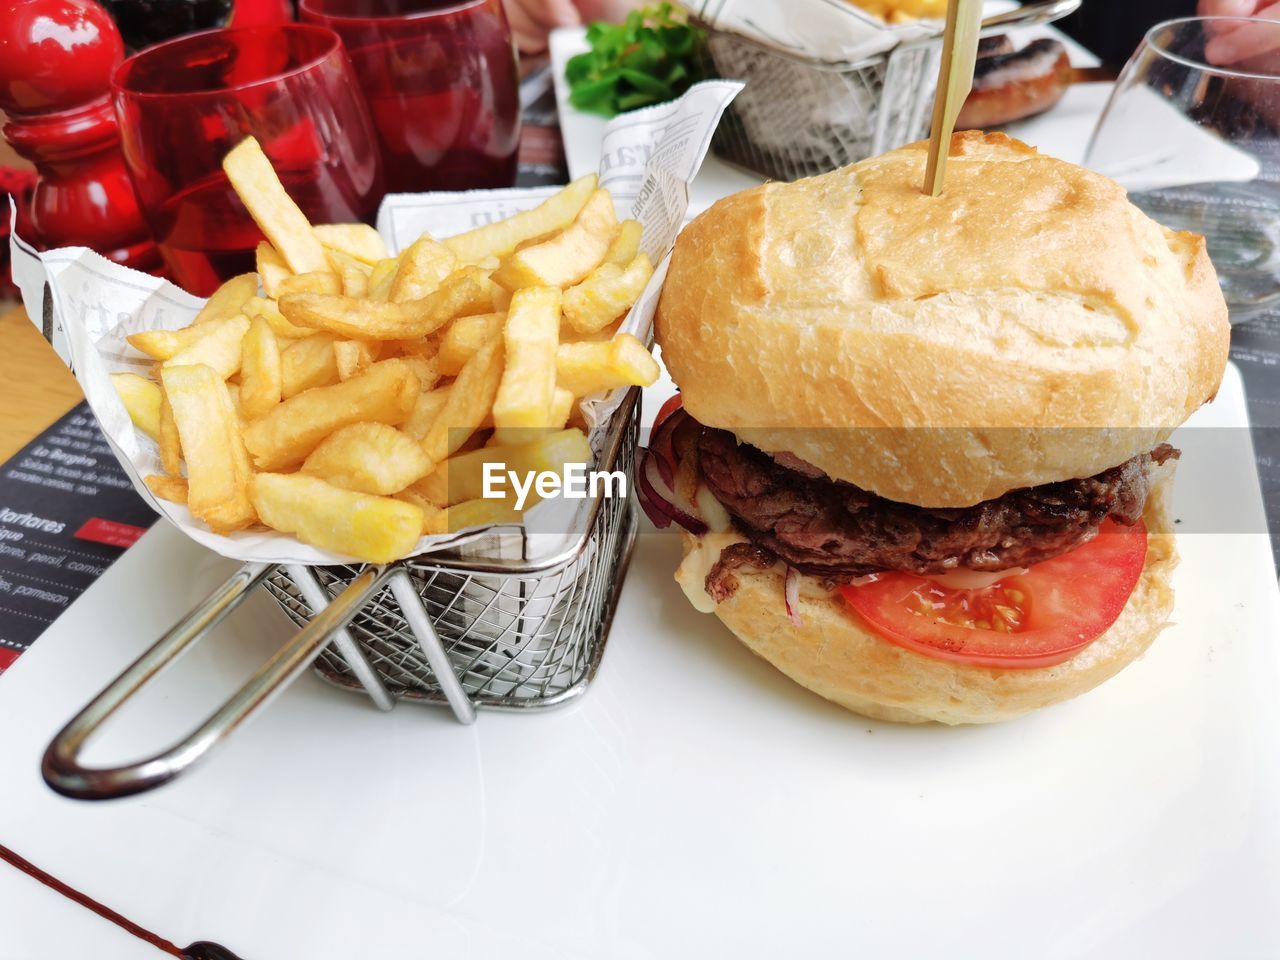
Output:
x,y
652,57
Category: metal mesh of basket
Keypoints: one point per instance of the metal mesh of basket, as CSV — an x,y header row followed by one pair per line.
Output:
x,y
798,117
515,639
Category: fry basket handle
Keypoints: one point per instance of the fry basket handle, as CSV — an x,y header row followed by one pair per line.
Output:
x,y
61,766
1031,14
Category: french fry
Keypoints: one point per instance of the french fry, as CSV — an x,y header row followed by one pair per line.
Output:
x,y
500,297
478,439
218,348
315,282
529,380
217,311
233,392
261,376
354,273
561,407
470,403
384,393
374,529
462,294
168,440
358,240
429,509
472,513
464,337
352,356
423,267
272,209
368,458
227,300
427,347
500,238
345,316
163,344
271,268
425,410
307,363
586,368
141,397
461,477
384,271
626,244
218,473
173,489
426,369
606,294
603,335
567,257
269,310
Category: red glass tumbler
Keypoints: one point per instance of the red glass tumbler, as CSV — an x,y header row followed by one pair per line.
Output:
x,y
184,104
442,84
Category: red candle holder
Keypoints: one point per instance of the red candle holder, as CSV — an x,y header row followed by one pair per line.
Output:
x,y
56,59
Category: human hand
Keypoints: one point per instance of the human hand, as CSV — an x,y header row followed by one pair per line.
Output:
x,y
1233,44
532,20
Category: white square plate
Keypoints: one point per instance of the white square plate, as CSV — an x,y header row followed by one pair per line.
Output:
x,y
693,804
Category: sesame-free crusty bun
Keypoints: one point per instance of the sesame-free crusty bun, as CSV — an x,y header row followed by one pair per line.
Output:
x,y
964,330
837,656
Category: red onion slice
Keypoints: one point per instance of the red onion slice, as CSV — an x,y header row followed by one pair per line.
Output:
x,y
650,481
661,445
792,593
651,510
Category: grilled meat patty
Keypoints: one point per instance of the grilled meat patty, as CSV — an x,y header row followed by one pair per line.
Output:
x,y
836,531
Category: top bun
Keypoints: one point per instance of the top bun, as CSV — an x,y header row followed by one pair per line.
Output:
x,y
838,317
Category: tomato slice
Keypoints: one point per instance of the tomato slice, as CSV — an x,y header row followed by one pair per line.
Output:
x,y
1035,619
674,402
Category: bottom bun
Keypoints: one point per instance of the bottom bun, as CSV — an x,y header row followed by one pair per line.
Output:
x,y
835,655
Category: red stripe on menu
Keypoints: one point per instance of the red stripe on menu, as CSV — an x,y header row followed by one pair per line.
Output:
x,y
7,657
109,532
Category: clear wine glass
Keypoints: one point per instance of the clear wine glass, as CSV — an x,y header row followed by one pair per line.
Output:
x,y
1192,131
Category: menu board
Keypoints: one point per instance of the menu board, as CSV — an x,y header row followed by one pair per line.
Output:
x,y
67,511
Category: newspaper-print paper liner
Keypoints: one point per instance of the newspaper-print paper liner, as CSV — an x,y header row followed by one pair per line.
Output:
x,y
833,31
86,305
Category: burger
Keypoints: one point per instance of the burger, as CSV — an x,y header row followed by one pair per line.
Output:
x,y
919,450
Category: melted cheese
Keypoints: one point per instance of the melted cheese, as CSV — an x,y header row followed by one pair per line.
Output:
x,y
693,570
713,512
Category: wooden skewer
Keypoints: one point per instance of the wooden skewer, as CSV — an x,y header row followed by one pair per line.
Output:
x,y
955,80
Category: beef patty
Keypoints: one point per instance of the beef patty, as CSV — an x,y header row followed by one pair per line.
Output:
x,y
836,531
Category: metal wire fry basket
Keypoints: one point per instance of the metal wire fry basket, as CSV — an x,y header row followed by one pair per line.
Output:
x,y
799,116
505,619
518,634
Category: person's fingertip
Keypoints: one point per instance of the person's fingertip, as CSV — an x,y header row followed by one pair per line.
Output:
x,y
1220,50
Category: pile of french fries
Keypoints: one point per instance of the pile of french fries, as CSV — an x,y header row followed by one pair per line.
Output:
x,y
351,398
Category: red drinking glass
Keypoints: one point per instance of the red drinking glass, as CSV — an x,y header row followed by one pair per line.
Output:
x,y
442,84
185,103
